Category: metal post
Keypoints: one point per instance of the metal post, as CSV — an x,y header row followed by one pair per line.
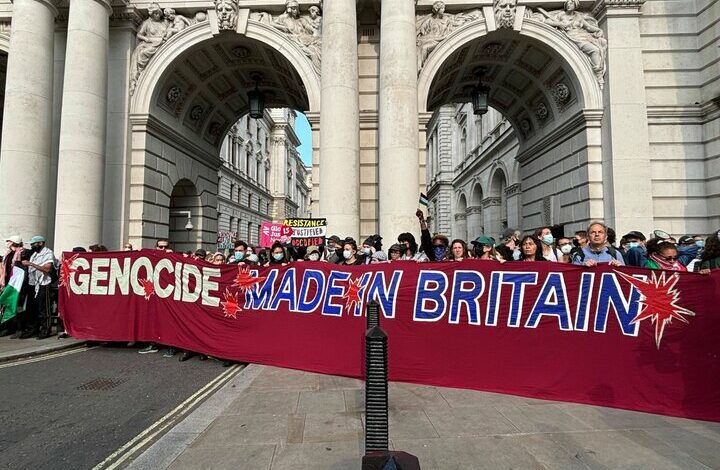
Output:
x,y
376,390
373,314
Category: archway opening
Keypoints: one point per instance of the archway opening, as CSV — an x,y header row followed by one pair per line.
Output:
x,y
185,217
537,140
190,114
263,176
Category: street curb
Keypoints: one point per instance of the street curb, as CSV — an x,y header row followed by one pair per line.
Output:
x,y
41,352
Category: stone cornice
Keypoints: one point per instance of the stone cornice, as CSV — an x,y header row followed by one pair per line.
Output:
x,y
513,190
130,14
490,202
474,210
460,217
628,7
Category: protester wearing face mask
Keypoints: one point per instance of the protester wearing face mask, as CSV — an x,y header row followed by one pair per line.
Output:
x,y
687,249
239,253
711,254
312,254
333,253
435,247
40,265
350,254
549,252
372,249
407,240
635,253
278,256
566,247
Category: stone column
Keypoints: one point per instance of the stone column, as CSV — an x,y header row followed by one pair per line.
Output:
x,y
512,199
81,162
398,167
627,172
339,108
27,122
474,222
492,211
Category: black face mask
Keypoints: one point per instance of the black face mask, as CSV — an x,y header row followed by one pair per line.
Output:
x,y
576,243
36,248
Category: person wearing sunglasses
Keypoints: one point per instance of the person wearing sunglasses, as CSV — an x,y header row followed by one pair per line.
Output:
x,y
663,254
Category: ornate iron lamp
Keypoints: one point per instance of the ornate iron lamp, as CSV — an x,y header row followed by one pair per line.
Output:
x,y
256,99
480,95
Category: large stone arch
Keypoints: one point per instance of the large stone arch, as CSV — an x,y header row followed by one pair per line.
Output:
x,y
533,69
583,78
196,70
200,32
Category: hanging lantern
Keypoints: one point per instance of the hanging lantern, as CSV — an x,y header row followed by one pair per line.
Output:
x,y
480,99
257,101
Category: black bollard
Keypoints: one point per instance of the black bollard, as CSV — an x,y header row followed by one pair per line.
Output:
x,y
373,314
376,390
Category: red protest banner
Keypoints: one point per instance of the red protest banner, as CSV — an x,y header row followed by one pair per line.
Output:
x,y
620,337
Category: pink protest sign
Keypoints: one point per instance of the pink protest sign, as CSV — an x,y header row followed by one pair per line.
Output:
x,y
271,232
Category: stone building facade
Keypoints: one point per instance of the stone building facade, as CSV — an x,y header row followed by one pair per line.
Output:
x,y
121,108
262,177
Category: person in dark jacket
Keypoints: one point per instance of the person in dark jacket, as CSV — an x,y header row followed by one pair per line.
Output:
x,y
435,247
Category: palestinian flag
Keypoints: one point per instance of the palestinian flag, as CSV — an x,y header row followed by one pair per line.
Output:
x,y
424,200
11,294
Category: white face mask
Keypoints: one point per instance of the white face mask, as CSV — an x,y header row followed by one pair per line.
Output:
x,y
366,250
566,249
253,258
347,254
314,257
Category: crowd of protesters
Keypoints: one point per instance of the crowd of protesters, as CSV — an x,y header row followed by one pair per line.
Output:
x,y
596,245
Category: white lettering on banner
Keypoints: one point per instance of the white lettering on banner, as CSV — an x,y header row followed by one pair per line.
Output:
x,y
104,276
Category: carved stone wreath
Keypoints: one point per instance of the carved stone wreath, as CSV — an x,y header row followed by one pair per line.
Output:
x,y
561,93
196,113
173,94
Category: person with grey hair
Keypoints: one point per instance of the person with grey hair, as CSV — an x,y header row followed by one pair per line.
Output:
x,y
598,250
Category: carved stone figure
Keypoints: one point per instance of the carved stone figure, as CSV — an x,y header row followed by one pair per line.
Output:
x,y
313,21
505,11
583,30
305,31
177,22
436,26
227,14
150,37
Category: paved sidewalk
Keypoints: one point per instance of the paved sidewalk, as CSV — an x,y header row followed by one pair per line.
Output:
x,y
271,418
12,349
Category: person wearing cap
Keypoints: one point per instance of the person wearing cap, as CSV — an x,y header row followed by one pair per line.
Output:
x,y
396,252
40,265
12,254
484,248
372,249
687,249
12,258
333,253
312,253
635,252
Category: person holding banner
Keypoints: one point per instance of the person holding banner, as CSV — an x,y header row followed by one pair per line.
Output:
x,y
278,255
396,252
459,250
350,254
531,249
239,252
663,254
597,250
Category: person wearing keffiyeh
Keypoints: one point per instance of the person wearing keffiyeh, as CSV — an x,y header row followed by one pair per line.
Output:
x,y
663,254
